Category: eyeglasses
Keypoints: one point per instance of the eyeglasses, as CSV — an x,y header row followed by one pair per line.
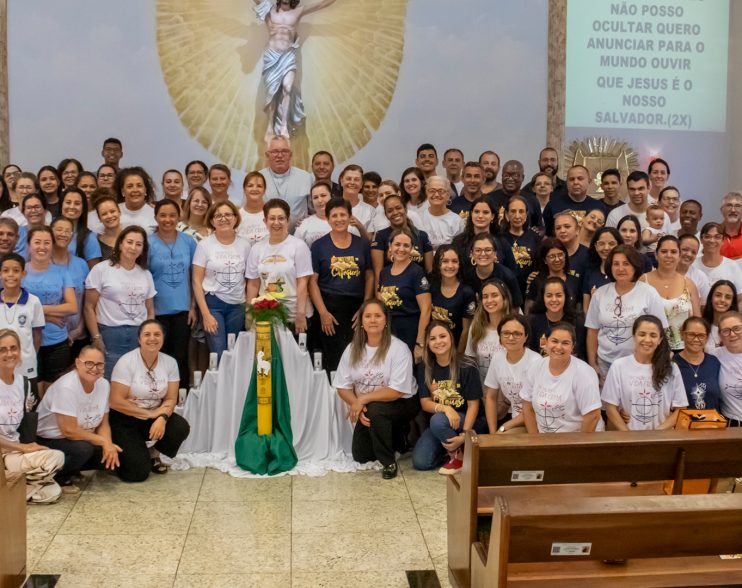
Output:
x,y
34,208
440,191
695,336
70,172
224,216
280,152
62,232
733,206
94,365
483,251
554,256
737,330
511,334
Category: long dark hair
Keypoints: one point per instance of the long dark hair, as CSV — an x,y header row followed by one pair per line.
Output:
x,y
662,356
420,176
53,170
456,361
141,261
631,218
708,309
593,257
470,231
435,275
505,226
81,225
551,243
569,311
5,201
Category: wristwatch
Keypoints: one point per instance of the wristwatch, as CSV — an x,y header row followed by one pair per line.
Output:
x,y
164,416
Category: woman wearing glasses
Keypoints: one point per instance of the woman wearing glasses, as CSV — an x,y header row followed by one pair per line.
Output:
x,y
712,263
484,266
730,376
73,418
437,221
614,308
144,391
700,370
554,263
218,276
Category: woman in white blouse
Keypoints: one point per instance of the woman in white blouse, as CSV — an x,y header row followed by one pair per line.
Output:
x,y
144,391
281,264
73,418
375,381
218,276
119,296
645,387
563,395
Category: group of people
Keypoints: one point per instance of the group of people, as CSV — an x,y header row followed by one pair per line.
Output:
x,y
490,306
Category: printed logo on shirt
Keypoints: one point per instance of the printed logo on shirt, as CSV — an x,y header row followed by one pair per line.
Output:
x,y
277,258
273,283
646,408
424,283
698,394
445,392
388,295
372,378
175,274
22,318
230,274
439,313
344,267
132,304
522,256
415,255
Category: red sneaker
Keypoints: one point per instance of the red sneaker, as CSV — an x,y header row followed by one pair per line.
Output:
x,y
452,467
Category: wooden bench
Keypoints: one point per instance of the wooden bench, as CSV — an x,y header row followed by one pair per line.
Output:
x,y
661,537
12,529
561,466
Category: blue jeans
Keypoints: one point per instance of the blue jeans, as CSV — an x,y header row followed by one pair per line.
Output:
x,y
117,341
230,319
429,453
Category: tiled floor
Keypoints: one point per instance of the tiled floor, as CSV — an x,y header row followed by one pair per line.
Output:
x,y
203,528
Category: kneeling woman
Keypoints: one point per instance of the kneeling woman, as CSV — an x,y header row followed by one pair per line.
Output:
x,y
563,396
73,418
144,391
450,388
646,386
375,380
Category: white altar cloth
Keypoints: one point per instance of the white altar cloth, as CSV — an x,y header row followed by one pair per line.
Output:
x,y
322,434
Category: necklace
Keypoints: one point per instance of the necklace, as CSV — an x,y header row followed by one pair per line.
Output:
x,y
9,320
693,369
284,180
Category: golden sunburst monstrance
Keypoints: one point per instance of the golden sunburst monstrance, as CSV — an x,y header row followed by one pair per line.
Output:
x,y
601,153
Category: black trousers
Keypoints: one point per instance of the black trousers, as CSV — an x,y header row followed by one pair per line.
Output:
x,y
405,328
387,418
177,335
332,346
78,456
132,434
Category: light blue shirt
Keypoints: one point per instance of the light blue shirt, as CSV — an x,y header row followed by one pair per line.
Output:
x,y
49,286
170,265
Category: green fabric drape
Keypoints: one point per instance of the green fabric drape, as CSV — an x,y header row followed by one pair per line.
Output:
x,y
267,454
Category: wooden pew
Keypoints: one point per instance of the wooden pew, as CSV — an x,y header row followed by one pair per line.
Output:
x,y
661,537
12,529
571,464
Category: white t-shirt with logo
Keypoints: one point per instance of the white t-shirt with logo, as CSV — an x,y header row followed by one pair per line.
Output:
x,y
147,388
122,293
252,226
561,401
628,385
366,376
614,317
440,229
23,318
486,348
730,383
225,267
66,397
509,378
278,267
11,408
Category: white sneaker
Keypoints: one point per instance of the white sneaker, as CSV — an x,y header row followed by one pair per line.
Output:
x,y
46,494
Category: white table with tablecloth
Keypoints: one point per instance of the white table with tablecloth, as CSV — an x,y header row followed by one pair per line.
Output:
x,y
322,434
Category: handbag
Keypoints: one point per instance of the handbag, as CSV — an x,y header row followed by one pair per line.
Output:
x,y
695,420
30,421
